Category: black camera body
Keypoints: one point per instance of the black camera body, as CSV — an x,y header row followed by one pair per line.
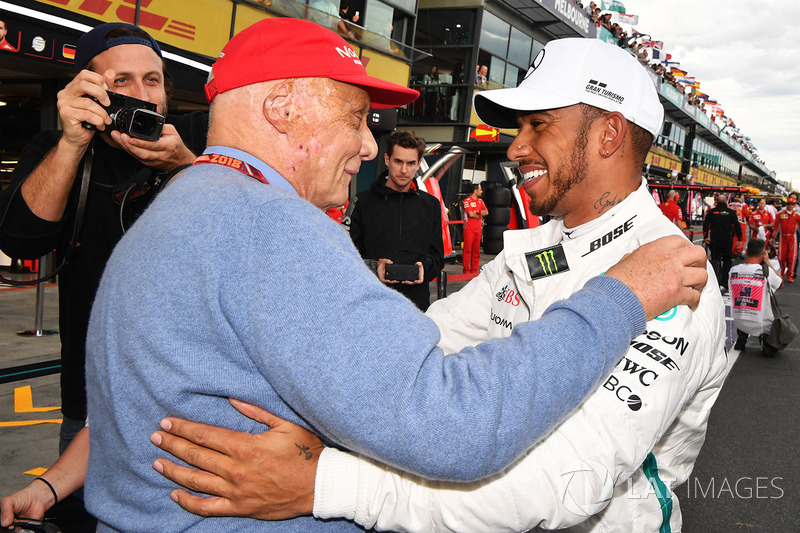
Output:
x,y
132,116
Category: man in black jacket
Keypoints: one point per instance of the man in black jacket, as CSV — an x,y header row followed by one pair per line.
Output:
x,y
43,198
719,227
395,223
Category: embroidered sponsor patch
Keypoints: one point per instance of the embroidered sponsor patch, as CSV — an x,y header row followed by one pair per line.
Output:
x,y
547,262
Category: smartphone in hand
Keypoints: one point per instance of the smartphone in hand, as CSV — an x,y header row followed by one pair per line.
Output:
x,y
397,272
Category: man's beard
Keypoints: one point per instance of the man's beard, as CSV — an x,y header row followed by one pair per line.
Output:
x,y
570,174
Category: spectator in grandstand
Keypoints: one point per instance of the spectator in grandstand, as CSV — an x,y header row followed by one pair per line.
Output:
x,y
431,92
347,17
482,76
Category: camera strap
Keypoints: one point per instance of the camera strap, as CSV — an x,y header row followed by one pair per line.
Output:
x,y
76,229
84,192
231,162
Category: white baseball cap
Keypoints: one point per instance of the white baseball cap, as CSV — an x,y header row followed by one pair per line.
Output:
x,y
577,71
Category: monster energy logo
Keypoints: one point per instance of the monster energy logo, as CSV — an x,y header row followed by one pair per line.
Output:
x,y
547,262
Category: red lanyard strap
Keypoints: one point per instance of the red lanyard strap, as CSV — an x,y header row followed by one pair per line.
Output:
x,y
231,162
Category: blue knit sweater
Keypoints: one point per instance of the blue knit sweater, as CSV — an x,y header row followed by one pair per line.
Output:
x,y
227,287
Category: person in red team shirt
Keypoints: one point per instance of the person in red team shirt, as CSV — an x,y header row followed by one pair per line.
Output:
x,y
739,208
671,209
761,217
786,225
474,210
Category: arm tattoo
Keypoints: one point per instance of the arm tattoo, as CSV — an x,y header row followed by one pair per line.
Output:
x,y
604,202
305,450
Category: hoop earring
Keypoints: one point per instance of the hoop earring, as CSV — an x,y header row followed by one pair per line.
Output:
x,y
605,154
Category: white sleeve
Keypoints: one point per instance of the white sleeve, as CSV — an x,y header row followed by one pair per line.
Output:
x,y
462,316
775,280
607,438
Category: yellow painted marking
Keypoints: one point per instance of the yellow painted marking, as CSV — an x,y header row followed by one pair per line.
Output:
x,y
23,402
36,471
29,423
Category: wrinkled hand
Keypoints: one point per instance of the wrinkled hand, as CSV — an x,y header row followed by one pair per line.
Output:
x,y
268,476
420,278
165,154
664,273
30,502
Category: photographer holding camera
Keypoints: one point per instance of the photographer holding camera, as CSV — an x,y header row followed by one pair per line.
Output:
x,y
78,189
753,283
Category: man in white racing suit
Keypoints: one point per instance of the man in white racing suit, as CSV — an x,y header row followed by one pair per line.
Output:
x,y
587,113
614,463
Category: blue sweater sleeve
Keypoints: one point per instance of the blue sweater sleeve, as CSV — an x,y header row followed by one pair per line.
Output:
x,y
359,363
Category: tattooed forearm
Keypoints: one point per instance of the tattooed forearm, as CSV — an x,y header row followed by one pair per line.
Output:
x,y
305,450
604,202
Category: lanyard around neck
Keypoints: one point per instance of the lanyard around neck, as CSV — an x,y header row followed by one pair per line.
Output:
x,y
231,162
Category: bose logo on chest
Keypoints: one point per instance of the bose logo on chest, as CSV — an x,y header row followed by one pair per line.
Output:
x,y
610,236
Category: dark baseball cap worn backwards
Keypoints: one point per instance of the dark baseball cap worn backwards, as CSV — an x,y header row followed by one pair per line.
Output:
x,y
283,48
94,41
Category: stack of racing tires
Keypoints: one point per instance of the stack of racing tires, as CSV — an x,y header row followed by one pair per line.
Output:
x,y
498,203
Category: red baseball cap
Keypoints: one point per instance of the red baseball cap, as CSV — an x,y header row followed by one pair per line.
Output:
x,y
282,48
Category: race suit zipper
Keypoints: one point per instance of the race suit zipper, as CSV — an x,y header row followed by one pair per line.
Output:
x,y
521,296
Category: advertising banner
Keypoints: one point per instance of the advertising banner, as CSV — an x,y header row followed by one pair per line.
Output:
x,y
575,17
672,94
200,26
30,39
703,119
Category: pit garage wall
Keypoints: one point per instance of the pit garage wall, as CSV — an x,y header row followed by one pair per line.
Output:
x,y
203,26
664,159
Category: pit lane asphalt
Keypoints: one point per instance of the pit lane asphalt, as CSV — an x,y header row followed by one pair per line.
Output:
x,y
746,478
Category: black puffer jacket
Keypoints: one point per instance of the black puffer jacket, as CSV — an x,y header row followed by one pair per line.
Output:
x,y
404,227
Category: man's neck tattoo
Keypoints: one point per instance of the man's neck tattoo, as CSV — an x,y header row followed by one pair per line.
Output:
x,y
605,201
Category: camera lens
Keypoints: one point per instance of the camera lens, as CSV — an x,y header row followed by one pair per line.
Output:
x,y
139,123
144,125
